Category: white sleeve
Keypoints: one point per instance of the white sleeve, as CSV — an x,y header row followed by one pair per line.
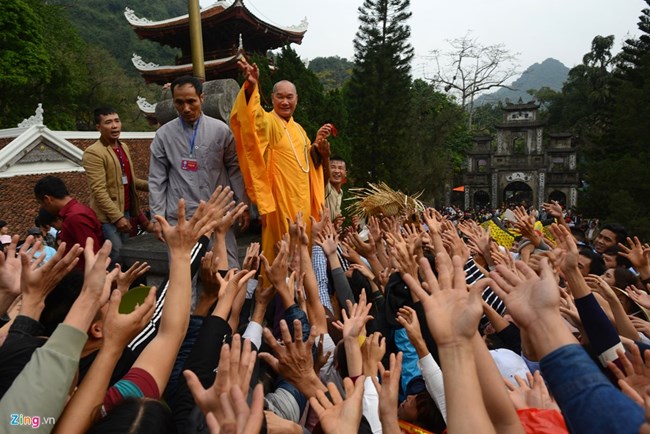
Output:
x,y
371,405
433,380
254,333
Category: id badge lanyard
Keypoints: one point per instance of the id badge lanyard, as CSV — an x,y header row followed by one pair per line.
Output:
x,y
192,140
120,158
191,164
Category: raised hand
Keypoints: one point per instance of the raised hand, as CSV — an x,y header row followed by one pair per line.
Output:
x,y
453,313
408,318
354,325
120,329
126,278
634,379
455,245
390,225
234,282
374,229
252,258
531,394
239,212
372,351
239,418
403,254
277,273
599,285
10,267
641,325
364,249
327,240
97,283
388,392
565,241
554,209
236,364
640,297
293,360
340,416
321,357
529,299
38,279
251,72
209,271
182,237
317,226
634,253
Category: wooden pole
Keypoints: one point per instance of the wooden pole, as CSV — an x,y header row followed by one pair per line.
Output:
x,y
196,39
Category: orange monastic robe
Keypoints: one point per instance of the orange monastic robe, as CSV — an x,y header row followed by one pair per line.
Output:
x,y
279,174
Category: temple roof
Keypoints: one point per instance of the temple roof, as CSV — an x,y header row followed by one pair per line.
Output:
x,y
222,23
214,69
530,105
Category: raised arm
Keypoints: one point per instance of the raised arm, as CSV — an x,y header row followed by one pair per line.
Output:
x,y
158,357
119,329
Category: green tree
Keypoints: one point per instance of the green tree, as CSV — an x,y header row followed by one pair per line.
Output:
x,y
102,23
379,94
332,71
437,142
24,60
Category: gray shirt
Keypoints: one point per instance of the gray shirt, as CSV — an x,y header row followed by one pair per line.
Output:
x,y
215,156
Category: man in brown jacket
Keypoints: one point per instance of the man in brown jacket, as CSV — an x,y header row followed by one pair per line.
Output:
x,y
112,180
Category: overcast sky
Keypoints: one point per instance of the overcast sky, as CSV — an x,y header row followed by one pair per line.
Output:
x,y
562,29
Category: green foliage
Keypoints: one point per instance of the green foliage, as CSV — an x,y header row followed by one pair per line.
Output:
x,y
332,71
57,68
102,23
485,117
606,104
437,142
378,95
310,90
24,60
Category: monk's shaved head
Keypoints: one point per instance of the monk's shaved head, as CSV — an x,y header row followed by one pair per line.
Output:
x,y
284,85
284,98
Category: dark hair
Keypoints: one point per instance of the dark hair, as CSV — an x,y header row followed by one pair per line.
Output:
x,y
429,416
624,278
135,416
102,111
597,265
3,223
341,359
188,79
619,231
50,186
45,218
60,300
338,158
621,261
578,234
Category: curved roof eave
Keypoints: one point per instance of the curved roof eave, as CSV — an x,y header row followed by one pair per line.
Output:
x,y
215,9
142,66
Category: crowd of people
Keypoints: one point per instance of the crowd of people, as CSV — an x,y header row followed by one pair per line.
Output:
x,y
402,323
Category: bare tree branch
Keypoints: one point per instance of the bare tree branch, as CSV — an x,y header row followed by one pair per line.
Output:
x,y
470,68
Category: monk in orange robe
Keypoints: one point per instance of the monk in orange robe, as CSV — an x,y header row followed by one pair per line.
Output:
x,y
276,157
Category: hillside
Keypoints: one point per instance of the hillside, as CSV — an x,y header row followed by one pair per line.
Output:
x,y
550,73
102,24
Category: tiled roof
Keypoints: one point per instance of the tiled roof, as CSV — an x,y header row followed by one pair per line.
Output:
x,y
18,206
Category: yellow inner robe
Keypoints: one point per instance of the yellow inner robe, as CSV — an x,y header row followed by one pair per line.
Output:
x,y
272,171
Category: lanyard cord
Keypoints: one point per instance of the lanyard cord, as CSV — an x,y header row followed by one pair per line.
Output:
x,y
191,140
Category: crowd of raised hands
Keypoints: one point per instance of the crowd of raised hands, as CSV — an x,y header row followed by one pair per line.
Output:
x,y
422,325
